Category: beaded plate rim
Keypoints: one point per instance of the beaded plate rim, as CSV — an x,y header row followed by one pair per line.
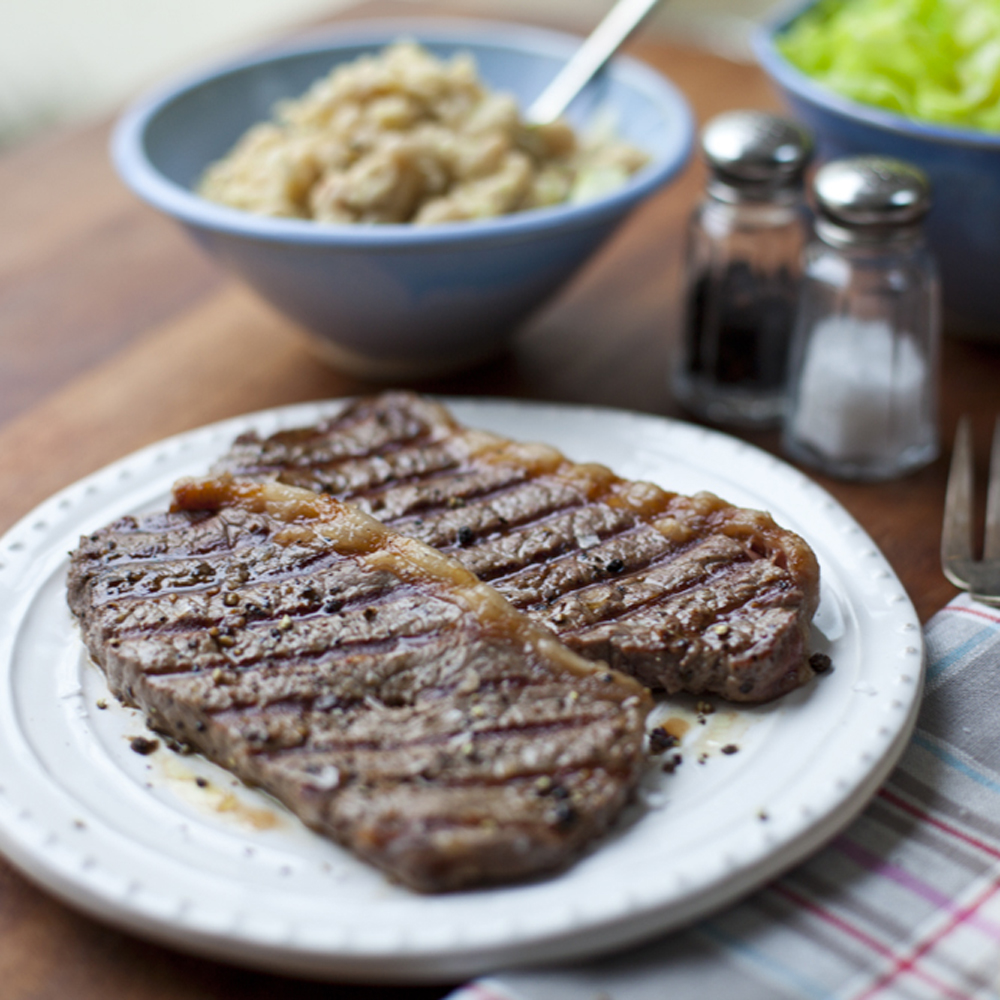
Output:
x,y
629,888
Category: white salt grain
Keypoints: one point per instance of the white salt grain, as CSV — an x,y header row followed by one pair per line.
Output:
x,y
861,393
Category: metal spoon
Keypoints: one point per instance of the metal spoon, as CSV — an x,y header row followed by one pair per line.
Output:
x,y
619,22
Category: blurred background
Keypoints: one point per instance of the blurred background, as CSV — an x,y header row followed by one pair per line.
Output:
x,y
71,60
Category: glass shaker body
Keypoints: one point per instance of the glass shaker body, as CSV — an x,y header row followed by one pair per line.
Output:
x,y
865,360
742,277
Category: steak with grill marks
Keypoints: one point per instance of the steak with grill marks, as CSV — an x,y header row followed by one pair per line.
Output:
x,y
686,593
372,684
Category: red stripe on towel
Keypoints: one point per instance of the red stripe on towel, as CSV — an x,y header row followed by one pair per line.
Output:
x,y
869,942
926,817
908,964
975,611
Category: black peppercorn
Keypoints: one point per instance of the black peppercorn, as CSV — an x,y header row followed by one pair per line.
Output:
x,y
660,740
144,746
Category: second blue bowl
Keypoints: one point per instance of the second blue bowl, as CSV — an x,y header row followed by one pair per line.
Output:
x,y
963,165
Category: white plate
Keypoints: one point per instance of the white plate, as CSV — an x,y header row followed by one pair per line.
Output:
x,y
224,871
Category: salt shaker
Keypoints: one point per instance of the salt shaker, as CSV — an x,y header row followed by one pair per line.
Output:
x,y
745,243
865,355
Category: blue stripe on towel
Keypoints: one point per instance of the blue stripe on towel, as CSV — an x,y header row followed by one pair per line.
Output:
x,y
807,987
954,762
940,664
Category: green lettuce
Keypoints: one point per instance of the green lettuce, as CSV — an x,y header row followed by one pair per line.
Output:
x,y
933,60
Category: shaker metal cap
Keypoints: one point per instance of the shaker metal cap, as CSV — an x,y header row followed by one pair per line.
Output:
x,y
756,148
872,191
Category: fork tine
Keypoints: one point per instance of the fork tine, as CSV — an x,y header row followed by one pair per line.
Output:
x,y
956,533
991,544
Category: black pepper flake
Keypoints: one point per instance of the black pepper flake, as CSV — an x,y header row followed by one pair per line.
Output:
x,y
746,687
559,792
332,605
730,748
563,815
702,757
371,613
821,663
276,633
184,749
616,566
199,726
465,535
144,746
201,782
673,763
660,741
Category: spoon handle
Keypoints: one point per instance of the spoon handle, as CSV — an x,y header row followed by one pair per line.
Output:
x,y
602,43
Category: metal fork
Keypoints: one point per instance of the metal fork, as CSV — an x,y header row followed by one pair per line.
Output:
x,y
980,577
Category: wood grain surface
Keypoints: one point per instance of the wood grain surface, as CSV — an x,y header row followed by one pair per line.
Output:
x,y
115,332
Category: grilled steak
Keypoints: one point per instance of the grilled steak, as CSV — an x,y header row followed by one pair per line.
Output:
x,y
370,683
684,593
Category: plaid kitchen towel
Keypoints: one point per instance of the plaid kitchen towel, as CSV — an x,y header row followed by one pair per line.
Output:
x,y
905,905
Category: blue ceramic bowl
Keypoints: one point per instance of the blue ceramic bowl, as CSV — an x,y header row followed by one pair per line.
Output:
x,y
393,301
963,165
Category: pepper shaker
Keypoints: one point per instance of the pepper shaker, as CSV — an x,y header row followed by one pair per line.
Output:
x,y
865,356
745,242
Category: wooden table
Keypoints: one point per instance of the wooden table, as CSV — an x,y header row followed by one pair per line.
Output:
x,y
115,332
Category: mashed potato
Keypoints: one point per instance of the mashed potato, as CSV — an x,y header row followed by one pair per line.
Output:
x,y
405,137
